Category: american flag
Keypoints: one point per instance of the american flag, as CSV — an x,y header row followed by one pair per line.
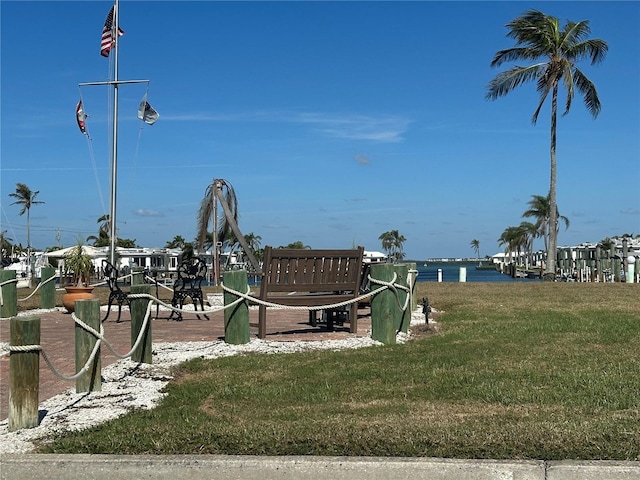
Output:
x,y
108,38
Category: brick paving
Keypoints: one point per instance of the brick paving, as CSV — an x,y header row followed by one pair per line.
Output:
x,y
57,338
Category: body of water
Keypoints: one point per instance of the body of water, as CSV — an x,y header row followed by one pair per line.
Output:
x,y
451,273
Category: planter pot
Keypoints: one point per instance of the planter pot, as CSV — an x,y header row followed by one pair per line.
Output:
x,y
75,293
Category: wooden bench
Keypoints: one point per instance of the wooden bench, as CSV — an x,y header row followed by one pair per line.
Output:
x,y
310,278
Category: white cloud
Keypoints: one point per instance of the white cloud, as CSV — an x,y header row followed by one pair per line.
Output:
x,y
379,128
142,212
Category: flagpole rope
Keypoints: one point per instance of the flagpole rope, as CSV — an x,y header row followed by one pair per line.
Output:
x,y
92,157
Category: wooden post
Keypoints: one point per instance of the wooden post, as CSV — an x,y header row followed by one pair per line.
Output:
x,y
137,276
24,373
404,319
384,310
9,294
236,319
48,289
617,265
88,310
413,275
142,354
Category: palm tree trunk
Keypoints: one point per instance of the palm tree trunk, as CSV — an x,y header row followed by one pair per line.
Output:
x,y
236,230
550,272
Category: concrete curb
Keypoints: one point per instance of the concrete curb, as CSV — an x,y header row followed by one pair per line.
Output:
x,y
201,467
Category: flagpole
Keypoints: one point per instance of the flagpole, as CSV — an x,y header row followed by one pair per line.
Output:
x,y
114,142
109,43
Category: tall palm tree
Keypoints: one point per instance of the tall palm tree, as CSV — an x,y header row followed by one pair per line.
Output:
x,y
516,239
393,244
253,240
538,36
540,209
387,242
475,244
26,198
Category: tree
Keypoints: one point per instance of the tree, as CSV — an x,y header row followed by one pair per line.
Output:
x,y
475,244
540,209
177,242
5,248
222,225
393,244
26,199
538,36
298,245
225,226
104,238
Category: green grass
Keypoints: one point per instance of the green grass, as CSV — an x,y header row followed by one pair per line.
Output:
x,y
535,370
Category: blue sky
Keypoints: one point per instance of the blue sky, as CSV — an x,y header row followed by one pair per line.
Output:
x,y
334,122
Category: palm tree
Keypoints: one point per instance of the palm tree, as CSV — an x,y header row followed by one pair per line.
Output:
x,y
393,244
177,242
299,245
538,36
208,207
514,239
5,247
102,240
540,209
475,244
387,242
225,225
253,241
26,198
527,232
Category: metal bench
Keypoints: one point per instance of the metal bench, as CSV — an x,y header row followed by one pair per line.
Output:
x,y
116,294
311,278
188,284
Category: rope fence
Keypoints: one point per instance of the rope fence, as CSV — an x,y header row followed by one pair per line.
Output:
x,y
392,286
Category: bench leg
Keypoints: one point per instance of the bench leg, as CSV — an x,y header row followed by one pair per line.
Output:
x,y
353,318
108,312
262,321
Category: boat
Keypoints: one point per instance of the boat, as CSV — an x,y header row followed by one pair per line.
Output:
x,y
490,266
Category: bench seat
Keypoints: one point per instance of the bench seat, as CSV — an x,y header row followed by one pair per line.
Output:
x,y
310,278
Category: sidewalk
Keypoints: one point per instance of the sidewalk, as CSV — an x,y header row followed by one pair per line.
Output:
x,y
235,467
57,338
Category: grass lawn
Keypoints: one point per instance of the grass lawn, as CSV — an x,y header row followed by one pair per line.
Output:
x,y
514,370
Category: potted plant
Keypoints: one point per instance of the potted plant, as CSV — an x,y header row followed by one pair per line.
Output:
x,y
79,265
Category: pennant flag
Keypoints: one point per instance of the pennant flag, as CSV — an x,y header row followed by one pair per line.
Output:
x,y
108,35
81,116
147,113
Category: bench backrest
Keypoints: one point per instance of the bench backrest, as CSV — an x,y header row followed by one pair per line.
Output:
x,y
300,270
111,276
190,274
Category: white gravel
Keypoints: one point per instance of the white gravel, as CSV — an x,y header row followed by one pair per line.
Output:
x,y
127,385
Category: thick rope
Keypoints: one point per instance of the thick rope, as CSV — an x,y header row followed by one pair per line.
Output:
x,y
51,278
38,348
394,287
156,282
280,306
241,297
